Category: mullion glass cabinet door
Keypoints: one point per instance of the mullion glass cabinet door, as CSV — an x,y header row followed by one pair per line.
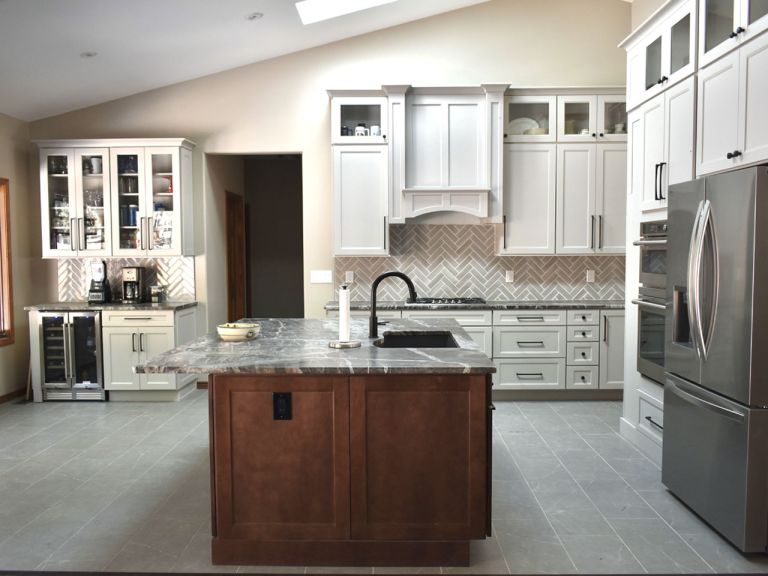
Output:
x,y
59,203
164,189
128,168
93,186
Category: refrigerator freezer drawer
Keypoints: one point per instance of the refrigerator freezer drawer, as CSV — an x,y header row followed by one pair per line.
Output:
x,y
715,459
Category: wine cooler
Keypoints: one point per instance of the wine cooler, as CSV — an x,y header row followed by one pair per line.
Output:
x,y
70,356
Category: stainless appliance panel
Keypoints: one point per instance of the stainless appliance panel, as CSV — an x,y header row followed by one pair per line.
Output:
x,y
725,284
650,339
681,356
715,459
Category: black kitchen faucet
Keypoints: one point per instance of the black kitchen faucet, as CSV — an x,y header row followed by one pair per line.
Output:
x,y
373,331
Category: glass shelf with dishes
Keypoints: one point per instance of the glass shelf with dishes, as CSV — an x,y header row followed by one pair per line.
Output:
x,y
358,120
529,118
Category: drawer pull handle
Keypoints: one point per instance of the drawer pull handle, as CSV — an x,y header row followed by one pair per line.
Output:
x,y
652,421
146,319
530,375
531,318
533,344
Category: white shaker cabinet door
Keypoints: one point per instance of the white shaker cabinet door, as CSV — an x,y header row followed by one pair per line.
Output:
x,y
679,133
611,201
753,103
360,177
529,199
576,221
653,153
121,354
718,116
154,341
612,349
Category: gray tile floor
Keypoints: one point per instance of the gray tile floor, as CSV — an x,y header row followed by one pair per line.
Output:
x,y
124,487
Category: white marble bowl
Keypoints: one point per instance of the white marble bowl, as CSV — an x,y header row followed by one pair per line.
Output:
x,y
238,331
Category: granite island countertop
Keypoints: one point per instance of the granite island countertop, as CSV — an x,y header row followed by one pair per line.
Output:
x,y
84,306
300,346
489,305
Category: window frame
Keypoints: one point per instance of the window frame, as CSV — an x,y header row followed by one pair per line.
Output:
x,y
7,333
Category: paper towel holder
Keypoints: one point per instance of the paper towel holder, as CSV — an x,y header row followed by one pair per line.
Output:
x,y
344,303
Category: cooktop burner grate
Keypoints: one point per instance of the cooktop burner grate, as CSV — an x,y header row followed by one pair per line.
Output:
x,y
449,301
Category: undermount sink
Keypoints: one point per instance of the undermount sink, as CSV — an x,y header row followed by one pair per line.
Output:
x,y
412,339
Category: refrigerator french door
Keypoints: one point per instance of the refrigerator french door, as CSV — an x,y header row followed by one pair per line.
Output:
x,y
70,356
715,451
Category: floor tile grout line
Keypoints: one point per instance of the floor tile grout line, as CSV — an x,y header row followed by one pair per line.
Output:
x,y
125,489
637,493
643,499
528,484
580,486
501,548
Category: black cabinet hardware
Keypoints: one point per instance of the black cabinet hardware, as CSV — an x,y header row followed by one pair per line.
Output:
x,y
504,231
656,183
385,232
661,179
594,135
583,334
654,423
602,135
734,154
583,354
583,379
736,32
592,232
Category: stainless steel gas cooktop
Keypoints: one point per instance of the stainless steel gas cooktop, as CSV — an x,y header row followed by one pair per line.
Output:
x,y
448,301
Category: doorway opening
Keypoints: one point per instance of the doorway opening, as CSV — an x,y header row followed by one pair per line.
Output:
x,y
261,196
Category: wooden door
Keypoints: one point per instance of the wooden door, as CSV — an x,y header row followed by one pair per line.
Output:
x,y
235,230
418,457
576,220
280,479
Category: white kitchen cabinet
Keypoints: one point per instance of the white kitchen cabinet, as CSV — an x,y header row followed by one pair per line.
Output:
x,y
591,198
732,124
661,53
131,337
662,136
576,118
152,197
528,342
529,192
360,195
358,118
611,118
74,192
728,24
530,118
537,374
611,349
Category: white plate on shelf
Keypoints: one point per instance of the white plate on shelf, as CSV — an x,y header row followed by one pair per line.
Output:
x,y
518,126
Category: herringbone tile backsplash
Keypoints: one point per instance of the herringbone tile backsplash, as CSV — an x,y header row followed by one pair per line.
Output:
x,y
459,260
178,274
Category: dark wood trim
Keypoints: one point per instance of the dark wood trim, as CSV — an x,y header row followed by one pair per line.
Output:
x,y
202,385
212,453
340,553
11,395
558,394
236,258
6,273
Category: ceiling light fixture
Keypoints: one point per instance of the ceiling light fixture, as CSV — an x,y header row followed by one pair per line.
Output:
x,y
88,54
311,11
255,16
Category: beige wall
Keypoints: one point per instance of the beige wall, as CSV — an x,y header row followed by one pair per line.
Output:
x,y
281,105
31,283
641,9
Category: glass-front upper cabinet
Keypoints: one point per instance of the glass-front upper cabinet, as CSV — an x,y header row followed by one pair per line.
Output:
x,y
530,118
161,208
611,118
358,119
576,118
724,24
128,230
74,192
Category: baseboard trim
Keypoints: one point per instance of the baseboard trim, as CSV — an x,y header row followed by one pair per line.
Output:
x,y
558,394
202,384
12,395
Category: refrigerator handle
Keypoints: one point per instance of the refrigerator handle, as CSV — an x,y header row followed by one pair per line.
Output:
x,y
706,404
692,279
705,223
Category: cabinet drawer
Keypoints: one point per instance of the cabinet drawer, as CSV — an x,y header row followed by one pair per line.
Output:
x,y
136,318
513,342
483,337
651,417
583,353
581,378
365,314
582,317
583,333
463,317
546,374
529,317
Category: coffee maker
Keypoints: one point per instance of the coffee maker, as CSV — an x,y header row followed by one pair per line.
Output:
x,y
99,292
132,281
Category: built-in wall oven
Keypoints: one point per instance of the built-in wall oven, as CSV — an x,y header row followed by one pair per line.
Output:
x,y
651,300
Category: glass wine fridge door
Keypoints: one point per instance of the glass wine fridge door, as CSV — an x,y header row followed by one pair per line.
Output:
x,y
85,350
53,346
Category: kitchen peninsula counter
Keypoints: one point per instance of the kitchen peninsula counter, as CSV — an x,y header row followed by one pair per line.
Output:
x,y
489,305
364,457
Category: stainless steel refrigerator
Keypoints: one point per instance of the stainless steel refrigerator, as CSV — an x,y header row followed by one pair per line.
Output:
x,y
715,451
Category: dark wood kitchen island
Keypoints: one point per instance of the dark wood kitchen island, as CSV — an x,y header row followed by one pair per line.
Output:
x,y
366,456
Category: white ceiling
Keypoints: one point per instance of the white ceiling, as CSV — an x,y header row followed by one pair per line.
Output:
x,y
146,44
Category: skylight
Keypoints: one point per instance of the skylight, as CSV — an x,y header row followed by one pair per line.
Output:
x,y
311,11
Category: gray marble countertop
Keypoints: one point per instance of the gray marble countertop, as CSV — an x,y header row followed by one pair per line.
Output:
x,y
76,306
489,305
300,346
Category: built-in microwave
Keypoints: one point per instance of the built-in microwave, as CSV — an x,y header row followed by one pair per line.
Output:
x,y
653,254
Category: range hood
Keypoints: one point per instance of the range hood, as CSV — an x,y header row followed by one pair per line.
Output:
x,y
420,201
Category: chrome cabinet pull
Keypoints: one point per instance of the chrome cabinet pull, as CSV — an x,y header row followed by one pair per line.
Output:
x,y
649,304
530,318
141,342
150,222
531,344
530,375
81,233
145,318
133,342
73,234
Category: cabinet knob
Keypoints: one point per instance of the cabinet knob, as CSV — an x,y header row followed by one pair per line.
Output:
x,y
584,334
664,79
583,354
659,81
584,318
734,154
594,135
736,32
583,379
602,135
506,136
384,136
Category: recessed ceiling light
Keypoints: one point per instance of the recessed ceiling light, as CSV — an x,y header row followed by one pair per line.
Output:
x,y
88,54
255,16
311,11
